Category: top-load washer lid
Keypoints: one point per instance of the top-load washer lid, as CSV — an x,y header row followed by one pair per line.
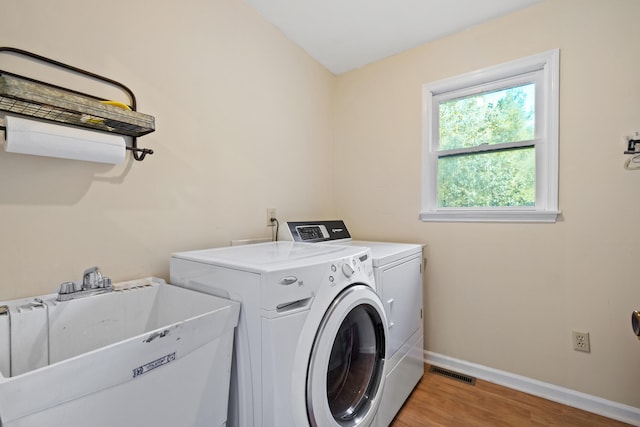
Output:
x,y
383,253
272,256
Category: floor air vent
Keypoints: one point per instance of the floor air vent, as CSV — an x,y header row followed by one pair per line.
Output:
x,y
453,375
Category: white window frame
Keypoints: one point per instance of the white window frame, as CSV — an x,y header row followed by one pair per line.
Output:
x,y
546,67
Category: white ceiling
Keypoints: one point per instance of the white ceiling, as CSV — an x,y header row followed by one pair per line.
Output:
x,y
346,34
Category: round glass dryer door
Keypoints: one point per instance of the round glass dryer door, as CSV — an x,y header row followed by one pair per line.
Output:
x,y
346,369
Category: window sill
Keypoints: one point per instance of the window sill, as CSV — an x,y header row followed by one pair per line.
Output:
x,y
477,215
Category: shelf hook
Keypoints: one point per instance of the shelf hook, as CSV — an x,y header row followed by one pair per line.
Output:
x,y
138,153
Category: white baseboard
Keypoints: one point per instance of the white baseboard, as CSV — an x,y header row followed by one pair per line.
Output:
x,y
566,396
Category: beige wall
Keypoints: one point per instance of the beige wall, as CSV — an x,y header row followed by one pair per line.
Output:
x,y
239,110
508,295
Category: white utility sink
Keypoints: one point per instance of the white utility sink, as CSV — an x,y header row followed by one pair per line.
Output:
x,y
145,354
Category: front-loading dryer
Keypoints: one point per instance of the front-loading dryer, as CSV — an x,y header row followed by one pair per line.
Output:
x,y
311,340
398,271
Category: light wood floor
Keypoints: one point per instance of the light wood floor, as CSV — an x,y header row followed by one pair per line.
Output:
x,y
441,401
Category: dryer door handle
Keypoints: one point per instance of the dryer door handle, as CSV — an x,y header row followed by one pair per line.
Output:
x,y
390,321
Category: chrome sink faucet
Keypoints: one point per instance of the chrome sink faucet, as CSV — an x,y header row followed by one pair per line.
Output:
x,y
93,283
92,278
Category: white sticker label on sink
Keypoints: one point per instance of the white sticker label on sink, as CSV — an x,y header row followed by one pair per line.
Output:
x,y
153,365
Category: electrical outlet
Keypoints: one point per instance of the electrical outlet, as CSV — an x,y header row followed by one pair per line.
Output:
x,y
581,341
271,213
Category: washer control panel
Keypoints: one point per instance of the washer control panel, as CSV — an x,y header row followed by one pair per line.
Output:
x,y
347,268
314,231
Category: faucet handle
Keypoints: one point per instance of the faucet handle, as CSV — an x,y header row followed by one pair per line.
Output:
x,y
104,282
67,288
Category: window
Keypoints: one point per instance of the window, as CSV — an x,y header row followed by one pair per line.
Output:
x,y
490,143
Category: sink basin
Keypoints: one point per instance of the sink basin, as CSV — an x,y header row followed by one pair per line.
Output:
x,y
147,353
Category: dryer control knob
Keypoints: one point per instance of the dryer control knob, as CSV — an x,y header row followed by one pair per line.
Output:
x,y
347,270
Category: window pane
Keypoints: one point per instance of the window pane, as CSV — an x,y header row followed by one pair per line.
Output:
x,y
506,115
497,178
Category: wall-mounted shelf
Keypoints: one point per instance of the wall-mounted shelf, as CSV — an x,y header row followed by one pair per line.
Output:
x,y
28,97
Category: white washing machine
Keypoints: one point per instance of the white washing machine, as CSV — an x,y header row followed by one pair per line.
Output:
x,y
398,277
311,340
